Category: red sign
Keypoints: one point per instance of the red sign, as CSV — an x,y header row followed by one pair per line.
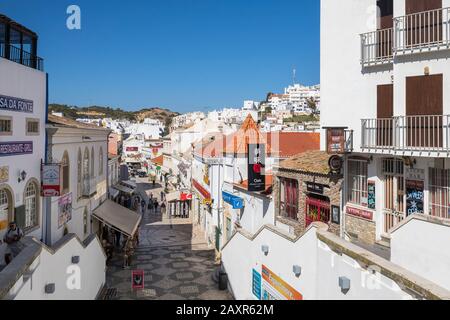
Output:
x,y
137,280
202,190
360,213
51,180
185,197
335,140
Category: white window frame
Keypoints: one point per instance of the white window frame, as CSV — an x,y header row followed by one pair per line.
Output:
x,y
31,217
442,189
361,190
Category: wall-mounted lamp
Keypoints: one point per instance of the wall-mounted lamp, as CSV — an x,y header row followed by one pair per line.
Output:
x,y
344,284
50,288
265,249
22,176
297,270
75,259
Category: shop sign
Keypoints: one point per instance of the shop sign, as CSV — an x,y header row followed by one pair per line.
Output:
x,y
137,280
335,140
256,164
236,202
336,163
256,284
315,187
275,288
51,180
415,174
371,195
15,148
4,174
16,104
64,209
360,213
414,197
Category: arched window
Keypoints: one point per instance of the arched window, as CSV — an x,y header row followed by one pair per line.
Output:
x,y
79,173
4,204
86,172
100,162
85,220
31,206
66,172
92,163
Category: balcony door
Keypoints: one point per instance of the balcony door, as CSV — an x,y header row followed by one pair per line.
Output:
x,y
385,112
424,108
385,25
423,22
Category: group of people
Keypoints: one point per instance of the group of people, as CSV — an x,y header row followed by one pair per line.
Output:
x,y
113,241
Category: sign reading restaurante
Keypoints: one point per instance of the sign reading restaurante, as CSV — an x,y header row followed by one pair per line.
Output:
x,y
16,104
15,148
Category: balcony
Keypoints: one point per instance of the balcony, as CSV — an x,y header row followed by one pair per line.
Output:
x,y
400,135
422,32
21,56
376,47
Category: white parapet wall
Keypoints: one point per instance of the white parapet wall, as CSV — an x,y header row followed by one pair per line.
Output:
x,y
262,266
421,244
38,266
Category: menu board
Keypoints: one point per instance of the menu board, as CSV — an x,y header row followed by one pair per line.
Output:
x,y
414,197
371,195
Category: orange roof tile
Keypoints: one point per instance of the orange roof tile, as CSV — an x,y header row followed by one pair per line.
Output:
x,y
288,144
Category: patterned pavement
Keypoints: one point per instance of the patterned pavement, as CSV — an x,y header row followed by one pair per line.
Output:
x,y
177,264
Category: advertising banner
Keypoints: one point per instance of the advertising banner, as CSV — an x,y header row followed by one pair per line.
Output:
x,y
256,164
275,288
64,210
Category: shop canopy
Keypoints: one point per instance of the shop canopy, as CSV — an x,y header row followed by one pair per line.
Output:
x,y
117,217
124,189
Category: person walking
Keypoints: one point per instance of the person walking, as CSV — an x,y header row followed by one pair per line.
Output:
x,y
156,204
143,206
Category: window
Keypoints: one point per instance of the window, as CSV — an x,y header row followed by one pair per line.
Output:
x,y
100,162
357,182
66,172
394,185
289,198
85,221
32,127
5,126
31,207
79,173
92,162
4,204
440,193
86,185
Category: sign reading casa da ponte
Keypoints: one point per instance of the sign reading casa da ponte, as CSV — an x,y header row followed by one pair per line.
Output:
x,y
15,104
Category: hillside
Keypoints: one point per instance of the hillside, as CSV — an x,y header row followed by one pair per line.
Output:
x,y
74,112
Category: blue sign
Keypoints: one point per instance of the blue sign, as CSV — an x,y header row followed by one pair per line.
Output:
x,y
16,104
15,148
236,202
256,284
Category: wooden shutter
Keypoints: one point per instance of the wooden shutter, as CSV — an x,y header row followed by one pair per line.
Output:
x,y
424,98
416,6
386,8
385,112
425,27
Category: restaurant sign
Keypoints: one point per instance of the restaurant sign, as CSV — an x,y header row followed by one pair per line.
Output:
x,y
256,165
51,180
335,140
15,148
360,213
16,104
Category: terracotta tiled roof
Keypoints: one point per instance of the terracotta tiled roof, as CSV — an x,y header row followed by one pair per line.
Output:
x,y
311,161
288,144
52,119
158,160
211,148
249,133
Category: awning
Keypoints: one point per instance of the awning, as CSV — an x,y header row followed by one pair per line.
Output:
x,y
173,196
130,184
118,217
113,192
124,189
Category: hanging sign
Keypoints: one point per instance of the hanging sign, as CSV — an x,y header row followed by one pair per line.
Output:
x,y
256,164
51,180
335,140
414,197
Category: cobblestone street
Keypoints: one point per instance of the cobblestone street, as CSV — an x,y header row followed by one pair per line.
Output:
x,y
177,264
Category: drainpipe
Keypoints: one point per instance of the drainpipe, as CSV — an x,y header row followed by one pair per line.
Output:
x,y
46,217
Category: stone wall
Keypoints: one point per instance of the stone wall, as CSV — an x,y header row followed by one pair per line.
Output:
x,y
361,229
333,192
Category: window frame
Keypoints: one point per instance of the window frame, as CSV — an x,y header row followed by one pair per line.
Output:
x,y
293,203
363,181
30,120
36,222
7,133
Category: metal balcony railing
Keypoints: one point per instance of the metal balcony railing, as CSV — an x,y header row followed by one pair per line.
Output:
x,y
23,57
376,47
407,133
423,31
348,147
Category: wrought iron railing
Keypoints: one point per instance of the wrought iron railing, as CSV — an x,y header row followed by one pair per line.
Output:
x,y
376,47
23,57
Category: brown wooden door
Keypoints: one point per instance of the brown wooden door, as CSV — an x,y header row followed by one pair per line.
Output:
x,y
384,41
386,8
385,112
424,98
426,27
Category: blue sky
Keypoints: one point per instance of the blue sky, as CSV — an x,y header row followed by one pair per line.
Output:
x,y
181,54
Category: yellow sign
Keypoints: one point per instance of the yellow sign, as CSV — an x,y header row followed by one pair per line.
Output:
x,y
4,174
3,224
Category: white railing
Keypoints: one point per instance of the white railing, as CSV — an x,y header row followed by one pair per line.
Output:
x,y
428,30
407,133
376,47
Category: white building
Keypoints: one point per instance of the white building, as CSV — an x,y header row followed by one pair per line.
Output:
x,y
149,129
